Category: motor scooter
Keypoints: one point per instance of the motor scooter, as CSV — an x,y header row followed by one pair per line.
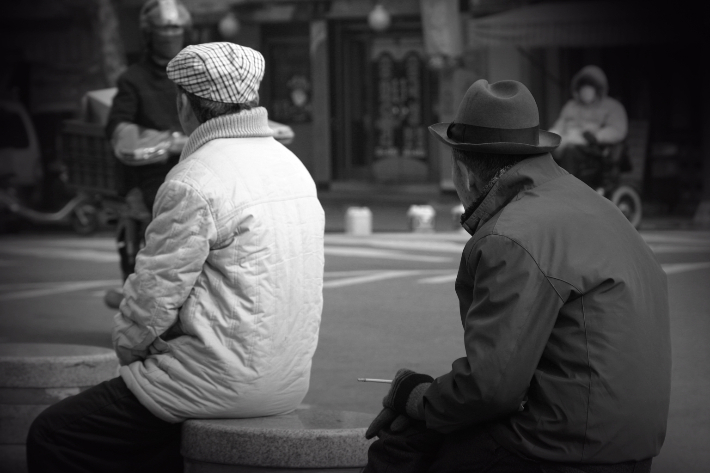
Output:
x,y
84,213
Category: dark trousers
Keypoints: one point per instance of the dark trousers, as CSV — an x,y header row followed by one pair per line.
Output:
x,y
101,430
419,449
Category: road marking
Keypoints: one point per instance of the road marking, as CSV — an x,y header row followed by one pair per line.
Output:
x,y
678,248
355,272
375,276
446,278
358,252
62,253
58,288
670,268
675,268
422,244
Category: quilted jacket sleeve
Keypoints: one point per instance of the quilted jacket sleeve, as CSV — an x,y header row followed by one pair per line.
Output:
x,y
178,241
512,312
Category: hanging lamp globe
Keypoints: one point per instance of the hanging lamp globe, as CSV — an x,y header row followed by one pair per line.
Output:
x,y
228,26
379,18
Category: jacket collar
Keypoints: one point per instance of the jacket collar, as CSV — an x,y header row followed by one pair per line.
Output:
x,y
527,174
246,124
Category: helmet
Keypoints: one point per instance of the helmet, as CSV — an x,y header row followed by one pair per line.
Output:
x,y
158,13
164,24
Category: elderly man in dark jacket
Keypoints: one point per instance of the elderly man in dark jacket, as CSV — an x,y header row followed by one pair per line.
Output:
x,y
564,312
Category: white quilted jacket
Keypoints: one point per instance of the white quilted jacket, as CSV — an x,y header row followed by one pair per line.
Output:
x,y
221,317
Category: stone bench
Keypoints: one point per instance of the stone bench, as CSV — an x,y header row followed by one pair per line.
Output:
x,y
32,377
308,440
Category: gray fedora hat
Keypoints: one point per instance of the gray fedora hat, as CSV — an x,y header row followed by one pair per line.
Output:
x,y
497,118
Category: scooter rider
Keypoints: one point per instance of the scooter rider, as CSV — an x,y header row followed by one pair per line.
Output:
x,y
143,124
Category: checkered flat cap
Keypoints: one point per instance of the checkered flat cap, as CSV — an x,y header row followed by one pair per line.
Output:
x,y
222,72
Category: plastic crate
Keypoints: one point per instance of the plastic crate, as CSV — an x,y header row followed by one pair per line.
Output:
x,y
91,164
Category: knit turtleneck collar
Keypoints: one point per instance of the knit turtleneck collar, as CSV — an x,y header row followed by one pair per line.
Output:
x,y
246,124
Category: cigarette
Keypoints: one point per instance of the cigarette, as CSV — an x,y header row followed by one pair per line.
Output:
x,y
375,380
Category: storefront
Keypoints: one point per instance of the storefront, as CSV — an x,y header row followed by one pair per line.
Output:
x,y
358,94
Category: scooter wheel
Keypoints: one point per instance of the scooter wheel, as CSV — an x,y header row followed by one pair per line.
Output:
x,y
85,219
629,202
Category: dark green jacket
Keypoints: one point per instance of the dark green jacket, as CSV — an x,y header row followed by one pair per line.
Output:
x,y
565,307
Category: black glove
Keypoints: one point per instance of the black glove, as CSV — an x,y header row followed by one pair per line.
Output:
x,y
388,418
402,402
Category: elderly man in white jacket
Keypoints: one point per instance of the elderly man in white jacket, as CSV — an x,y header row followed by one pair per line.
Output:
x,y
221,317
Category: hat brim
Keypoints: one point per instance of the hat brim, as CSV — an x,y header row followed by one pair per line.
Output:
x,y
547,142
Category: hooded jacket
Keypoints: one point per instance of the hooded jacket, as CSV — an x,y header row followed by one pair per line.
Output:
x,y
605,117
565,309
221,317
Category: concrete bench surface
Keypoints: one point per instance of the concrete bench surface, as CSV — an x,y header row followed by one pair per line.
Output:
x,y
52,365
35,375
309,438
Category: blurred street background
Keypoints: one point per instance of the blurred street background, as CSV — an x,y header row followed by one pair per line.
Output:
x,y
353,85
389,304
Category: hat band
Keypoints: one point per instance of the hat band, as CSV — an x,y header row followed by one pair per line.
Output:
x,y
476,135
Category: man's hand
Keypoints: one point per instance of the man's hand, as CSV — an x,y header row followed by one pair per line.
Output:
x,y
590,138
403,402
387,418
574,137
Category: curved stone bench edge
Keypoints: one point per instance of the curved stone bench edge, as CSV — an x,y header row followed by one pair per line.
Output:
x,y
72,360
293,448
284,432
61,371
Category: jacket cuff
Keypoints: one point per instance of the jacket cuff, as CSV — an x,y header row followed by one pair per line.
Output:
x,y
415,402
404,387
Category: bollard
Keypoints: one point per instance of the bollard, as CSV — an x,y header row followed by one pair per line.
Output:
x,y
358,221
35,375
456,213
421,218
308,440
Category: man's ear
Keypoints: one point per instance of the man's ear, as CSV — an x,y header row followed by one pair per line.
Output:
x,y
181,102
466,175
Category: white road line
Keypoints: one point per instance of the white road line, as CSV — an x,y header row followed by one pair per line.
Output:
x,y
670,268
105,244
658,249
675,268
357,252
59,288
375,276
62,253
697,238
401,244
356,272
446,278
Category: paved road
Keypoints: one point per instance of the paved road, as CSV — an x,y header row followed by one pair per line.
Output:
x,y
389,303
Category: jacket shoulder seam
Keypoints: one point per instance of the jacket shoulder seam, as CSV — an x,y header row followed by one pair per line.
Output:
x,y
517,243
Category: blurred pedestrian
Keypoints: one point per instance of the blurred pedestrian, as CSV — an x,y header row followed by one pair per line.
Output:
x,y
221,316
567,342
143,125
588,123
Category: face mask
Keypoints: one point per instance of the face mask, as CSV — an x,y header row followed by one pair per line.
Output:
x,y
166,43
587,94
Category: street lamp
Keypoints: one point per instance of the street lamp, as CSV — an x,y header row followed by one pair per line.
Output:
x,y
228,26
379,18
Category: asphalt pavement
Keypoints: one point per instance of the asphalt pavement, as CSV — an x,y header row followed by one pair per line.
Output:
x,y
389,303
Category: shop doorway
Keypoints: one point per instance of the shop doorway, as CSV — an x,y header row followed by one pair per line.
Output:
x,y
382,104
